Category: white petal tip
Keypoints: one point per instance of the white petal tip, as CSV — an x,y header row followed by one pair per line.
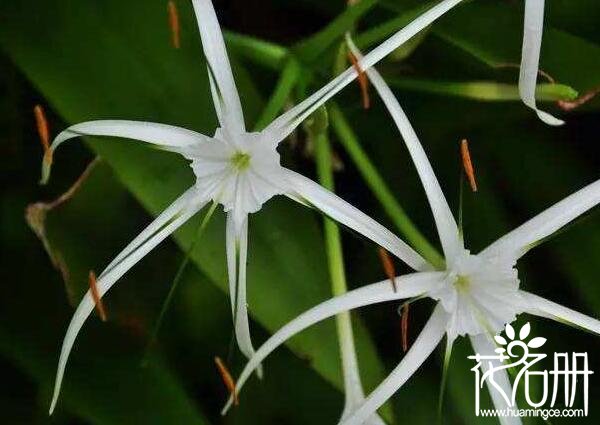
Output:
x,y
549,119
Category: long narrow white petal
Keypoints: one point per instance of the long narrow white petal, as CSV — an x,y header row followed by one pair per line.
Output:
x,y
483,344
428,339
408,286
287,122
533,27
216,56
542,307
164,135
151,229
242,325
108,279
341,211
354,395
231,249
444,220
516,243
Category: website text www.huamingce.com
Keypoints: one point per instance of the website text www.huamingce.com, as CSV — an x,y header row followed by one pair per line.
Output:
x,y
533,413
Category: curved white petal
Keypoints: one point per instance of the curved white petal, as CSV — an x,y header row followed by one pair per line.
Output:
x,y
231,250
428,339
160,221
342,212
444,220
484,345
237,254
533,27
287,122
408,286
224,89
516,243
108,279
164,135
542,307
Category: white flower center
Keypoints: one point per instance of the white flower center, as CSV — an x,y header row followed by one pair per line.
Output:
x,y
241,172
480,295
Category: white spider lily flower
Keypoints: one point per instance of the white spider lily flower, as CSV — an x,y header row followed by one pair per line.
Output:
x,y
477,294
533,27
236,168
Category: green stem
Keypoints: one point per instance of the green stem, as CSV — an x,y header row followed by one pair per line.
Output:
x,y
333,246
176,280
262,52
286,83
313,47
380,189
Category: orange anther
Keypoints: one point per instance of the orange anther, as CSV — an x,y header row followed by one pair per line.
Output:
x,y
363,81
96,296
404,326
42,126
227,379
388,266
467,164
174,23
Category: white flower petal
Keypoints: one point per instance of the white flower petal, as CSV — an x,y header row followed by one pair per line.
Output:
x,y
446,225
166,136
230,109
108,279
484,345
408,286
342,212
542,307
533,27
287,122
159,222
428,339
242,325
516,243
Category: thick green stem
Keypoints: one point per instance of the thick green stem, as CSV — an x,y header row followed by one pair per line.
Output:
x,y
333,246
392,207
262,52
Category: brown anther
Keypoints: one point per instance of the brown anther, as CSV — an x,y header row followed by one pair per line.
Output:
x,y
404,326
174,24
363,81
569,105
388,267
227,379
42,126
96,296
467,164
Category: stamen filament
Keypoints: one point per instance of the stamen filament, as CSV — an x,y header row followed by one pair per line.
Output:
x,y
96,296
174,24
569,105
388,266
227,379
468,164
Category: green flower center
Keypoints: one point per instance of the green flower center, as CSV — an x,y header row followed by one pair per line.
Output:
x,y
462,284
240,161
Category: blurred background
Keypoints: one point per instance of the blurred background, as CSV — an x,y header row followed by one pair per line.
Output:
x,y
115,59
